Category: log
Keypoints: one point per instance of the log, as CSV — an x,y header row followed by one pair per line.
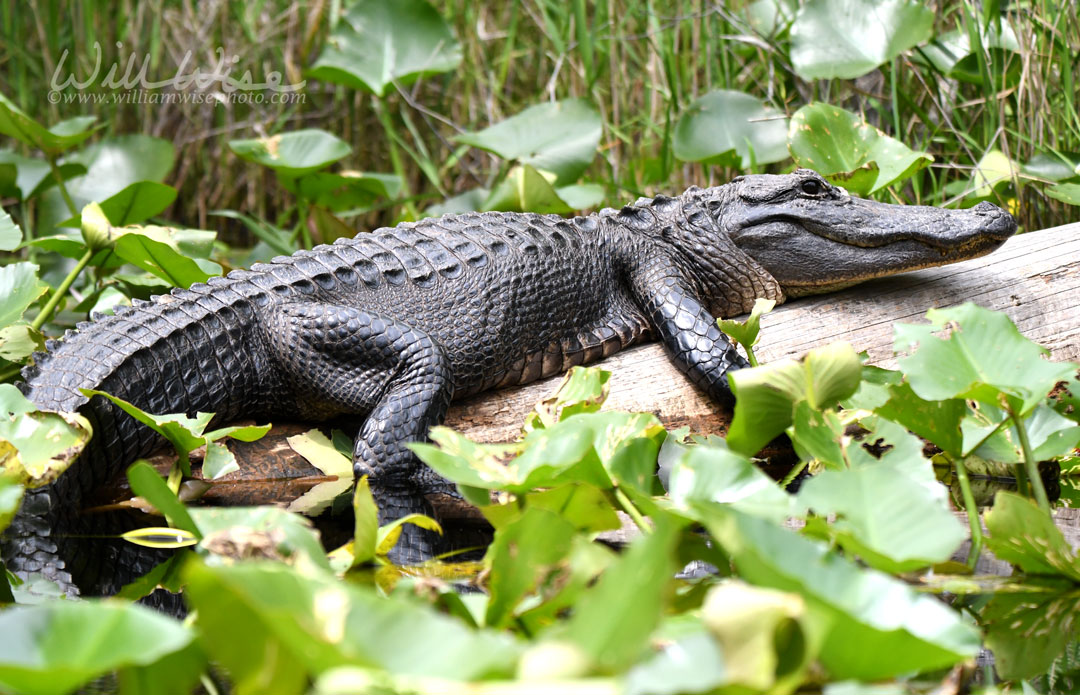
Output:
x,y
1034,278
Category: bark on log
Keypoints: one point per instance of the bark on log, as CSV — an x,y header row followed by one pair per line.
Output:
x,y
1034,278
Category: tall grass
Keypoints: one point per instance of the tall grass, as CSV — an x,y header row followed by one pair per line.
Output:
x,y
640,61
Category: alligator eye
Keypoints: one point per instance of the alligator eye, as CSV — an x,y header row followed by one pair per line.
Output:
x,y
812,187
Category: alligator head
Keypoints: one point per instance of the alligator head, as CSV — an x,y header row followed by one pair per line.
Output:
x,y
813,237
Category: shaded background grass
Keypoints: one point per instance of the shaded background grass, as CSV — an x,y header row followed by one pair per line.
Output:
x,y
639,61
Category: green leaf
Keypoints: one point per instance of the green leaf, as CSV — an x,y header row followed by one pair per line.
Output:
x,y
849,38
1027,631
894,522
33,175
64,135
134,204
667,672
936,420
144,248
294,153
993,171
277,239
582,390
601,624
148,484
560,137
10,233
19,288
1026,536
524,554
36,447
849,151
745,333
365,523
219,461
112,164
388,535
580,196
526,189
272,626
1065,192
184,433
984,357
11,494
730,128
714,474
260,532
57,646
320,452
765,397
880,627
346,190
378,44
19,341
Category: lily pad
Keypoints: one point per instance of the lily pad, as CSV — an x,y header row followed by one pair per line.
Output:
x,y
377,44
19,288
294,153
849,38
64,135
560,137
849,151
138,202
730,128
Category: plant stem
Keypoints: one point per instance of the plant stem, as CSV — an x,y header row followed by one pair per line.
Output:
x,y
395,156
60,184
792,474
750,356
1031,465
61,291
9,372
627,506
972,512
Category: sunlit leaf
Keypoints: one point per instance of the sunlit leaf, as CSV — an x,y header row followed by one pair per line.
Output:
x,y
560,137
714,474
148,484
849,38
1065,192
849,151
66,134
134,204
160,537
293,153
320,452
730,128
993,170
377,44
19,341
10,233
36,447
143,248
745,333
19,288
1024,535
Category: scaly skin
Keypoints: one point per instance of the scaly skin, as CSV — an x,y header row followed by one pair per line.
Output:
x,y
389,327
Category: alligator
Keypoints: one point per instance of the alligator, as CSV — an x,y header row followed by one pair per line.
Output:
x,y
388,327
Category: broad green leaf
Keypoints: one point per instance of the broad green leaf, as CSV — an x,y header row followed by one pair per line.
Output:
x,y
33,175
849,151
894,522
766,636
469,201
57,646
66,134
148,484
378,44
880,626
143,248
365,523
260,532
714,474
668,672
271,626
560,137
766,396
1065,192
293,153
849,38
936,420
1028,630
112,164
19,288
580,196
771,17
526,189
525,553
601,624
19,341
10,233
243,433
984,357
952,55
1024,535
1055,166
745,333
730,128
134,204
36,447
819,435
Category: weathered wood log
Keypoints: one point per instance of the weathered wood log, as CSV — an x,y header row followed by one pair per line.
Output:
x,y
1034,278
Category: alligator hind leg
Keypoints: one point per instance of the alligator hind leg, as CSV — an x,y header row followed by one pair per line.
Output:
x,y
357,361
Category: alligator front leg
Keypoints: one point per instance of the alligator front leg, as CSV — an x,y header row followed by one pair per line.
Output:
x,y
688,331
356,361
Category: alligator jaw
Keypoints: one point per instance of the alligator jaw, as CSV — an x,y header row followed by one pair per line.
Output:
x,y
816,246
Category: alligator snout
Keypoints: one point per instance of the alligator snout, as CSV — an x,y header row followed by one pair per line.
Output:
x,y
995,220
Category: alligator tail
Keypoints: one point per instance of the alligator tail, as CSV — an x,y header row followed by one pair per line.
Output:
x,y
189,351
